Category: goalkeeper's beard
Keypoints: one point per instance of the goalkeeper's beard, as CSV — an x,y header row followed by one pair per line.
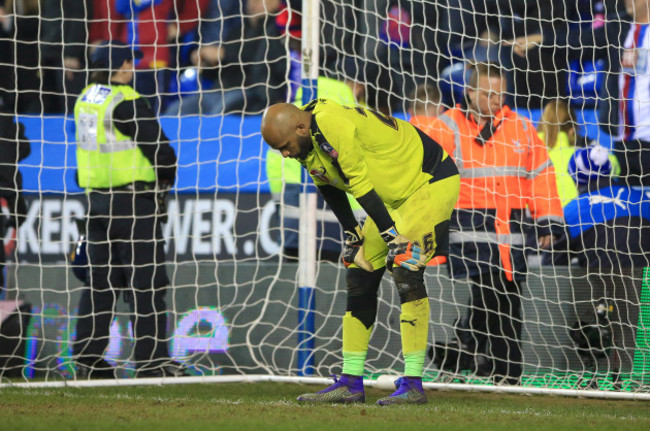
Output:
x,y
305,144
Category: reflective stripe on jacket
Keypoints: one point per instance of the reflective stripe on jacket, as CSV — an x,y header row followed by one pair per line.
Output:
x,y
106,157
499,179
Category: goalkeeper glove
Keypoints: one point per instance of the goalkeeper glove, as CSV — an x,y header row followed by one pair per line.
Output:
x,y
353,250
402,252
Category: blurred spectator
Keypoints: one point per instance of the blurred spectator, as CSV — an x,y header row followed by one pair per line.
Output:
x,y
339,87
632,142
528,38
425,105
20,25
558,129
600,37
342,30
505,171
7,92
425,101
106,22
464,24
593,14
289,21
220,18
183,30
14,147
248,69
429,55
146,29
217,19
534,34
608,224
63,37
390,63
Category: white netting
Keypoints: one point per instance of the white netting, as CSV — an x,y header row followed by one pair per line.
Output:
x,y
210,68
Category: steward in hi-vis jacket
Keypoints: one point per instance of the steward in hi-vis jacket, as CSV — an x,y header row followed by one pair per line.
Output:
x,y
126,166
504,170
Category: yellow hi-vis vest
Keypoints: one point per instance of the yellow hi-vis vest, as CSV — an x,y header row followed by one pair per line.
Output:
x,y
106,157
560,155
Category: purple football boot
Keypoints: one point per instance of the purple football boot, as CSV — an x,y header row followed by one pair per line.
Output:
x,y
409,391
347,389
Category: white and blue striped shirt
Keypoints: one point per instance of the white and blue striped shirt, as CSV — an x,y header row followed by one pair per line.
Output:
x,y
634,85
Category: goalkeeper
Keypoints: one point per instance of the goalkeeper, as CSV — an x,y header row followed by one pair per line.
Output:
x,y
408,186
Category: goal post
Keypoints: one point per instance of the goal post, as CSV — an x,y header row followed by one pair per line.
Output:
x,y
257,290
307,232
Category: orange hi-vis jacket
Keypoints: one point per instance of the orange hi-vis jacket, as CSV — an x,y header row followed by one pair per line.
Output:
x,y
500,177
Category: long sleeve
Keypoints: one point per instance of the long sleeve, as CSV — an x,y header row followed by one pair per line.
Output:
x,y
370,202
134,118
543,201
340,206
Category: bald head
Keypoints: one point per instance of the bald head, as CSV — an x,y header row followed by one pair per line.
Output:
x,y
279,122
286,129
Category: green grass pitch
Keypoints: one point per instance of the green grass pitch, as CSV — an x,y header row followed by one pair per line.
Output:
x,y
272,406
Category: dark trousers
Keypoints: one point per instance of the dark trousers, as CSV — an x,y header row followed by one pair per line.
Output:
x,y
125,251
495,322
634,158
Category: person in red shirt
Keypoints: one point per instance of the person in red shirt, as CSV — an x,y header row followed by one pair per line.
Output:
x,y
144,26
426,104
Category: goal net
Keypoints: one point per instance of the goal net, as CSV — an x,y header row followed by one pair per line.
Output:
x,y
245,296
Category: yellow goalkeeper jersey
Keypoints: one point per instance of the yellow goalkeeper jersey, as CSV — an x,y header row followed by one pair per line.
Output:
x,y
357,149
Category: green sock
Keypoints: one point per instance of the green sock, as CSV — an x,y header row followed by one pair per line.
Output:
x,y
414,327
355,345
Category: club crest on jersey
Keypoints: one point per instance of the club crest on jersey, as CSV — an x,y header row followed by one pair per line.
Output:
x,y
518,147
328,149
320,174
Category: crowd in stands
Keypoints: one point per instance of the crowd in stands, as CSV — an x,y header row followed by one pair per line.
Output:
x,y
215,56
213,48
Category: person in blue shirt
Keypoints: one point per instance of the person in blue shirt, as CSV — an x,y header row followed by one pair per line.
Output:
x,y
608,224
